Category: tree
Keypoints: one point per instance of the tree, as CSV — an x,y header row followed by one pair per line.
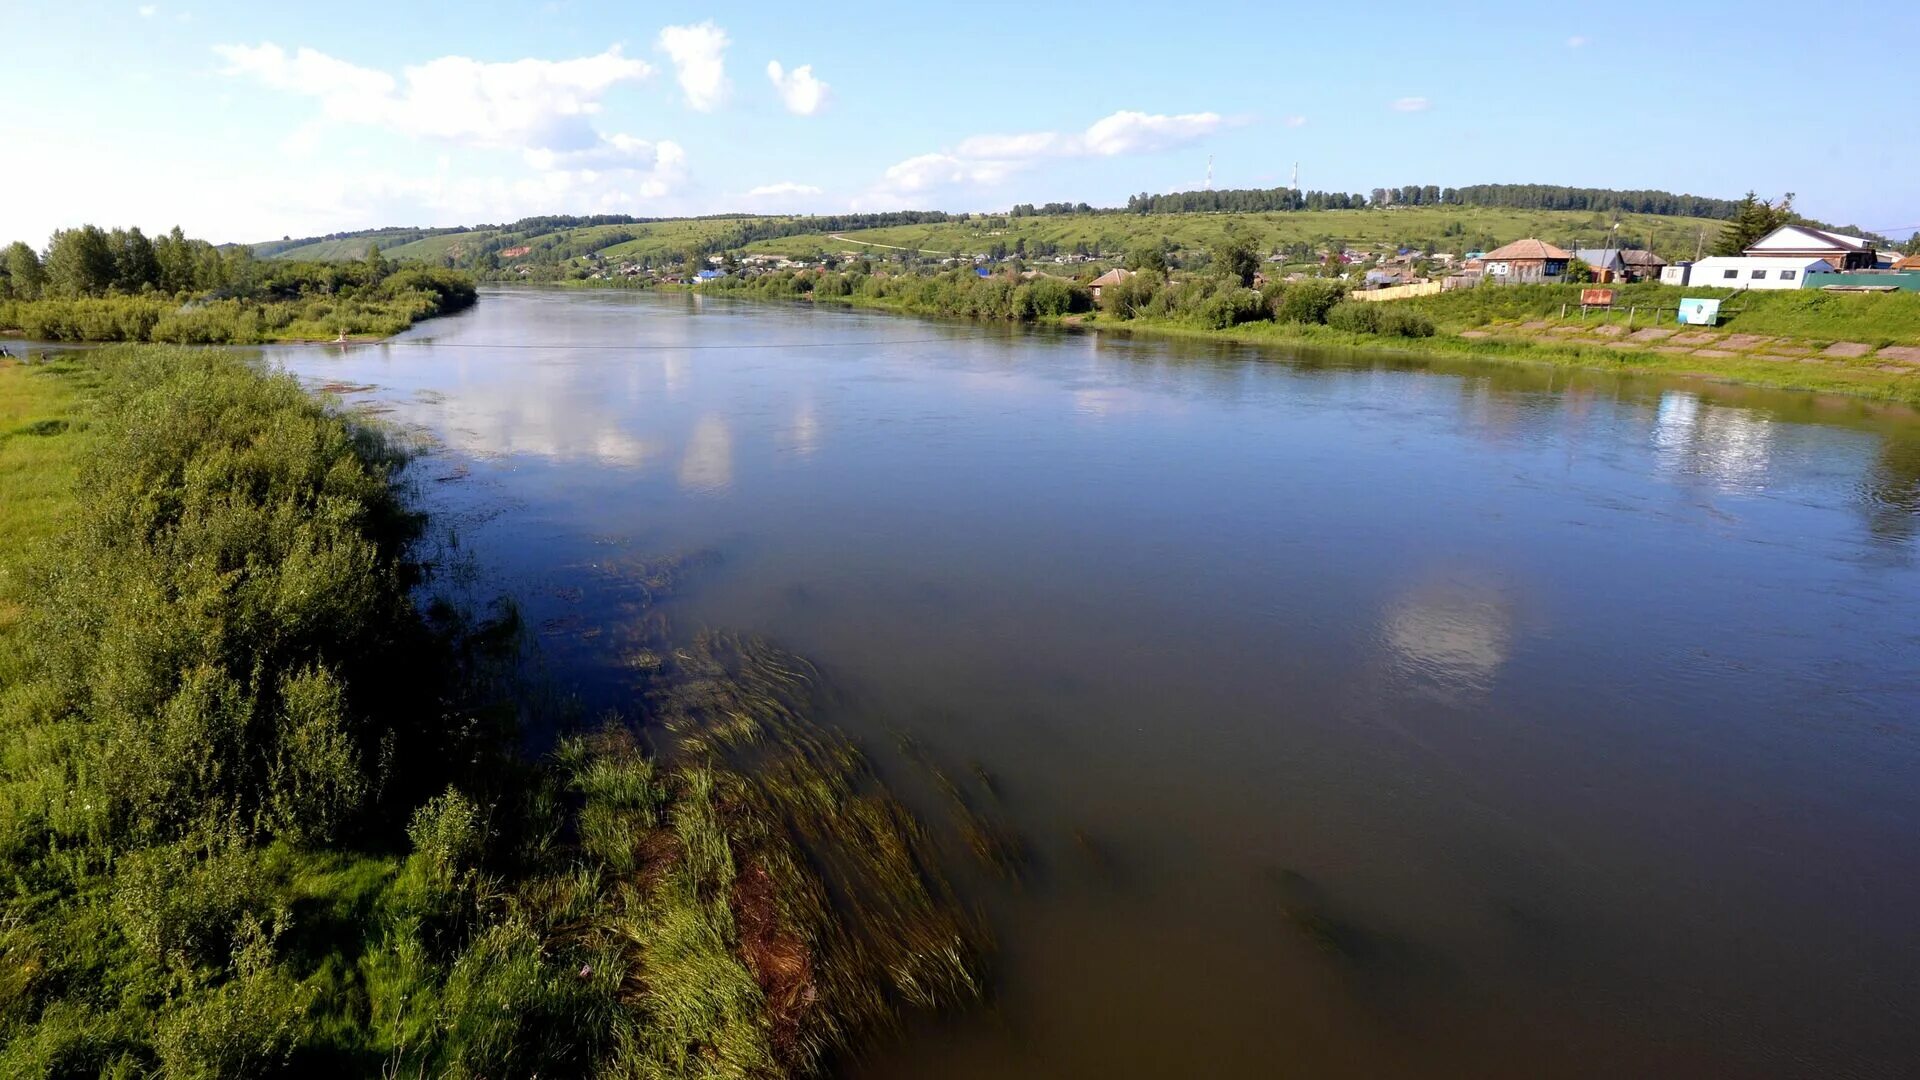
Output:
x,y
1752,219
1150,258
80,262
1579,272
23,267
1236,258
376,264
177,259
1911,247
136,266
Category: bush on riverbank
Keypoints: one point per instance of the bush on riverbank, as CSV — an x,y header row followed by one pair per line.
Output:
x,y
301,303
262,813
954,294
1359,317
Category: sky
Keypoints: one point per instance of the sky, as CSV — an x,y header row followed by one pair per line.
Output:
x,y
249,121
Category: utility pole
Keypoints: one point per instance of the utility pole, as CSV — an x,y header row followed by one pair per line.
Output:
x,y
1296,176
1700,245
1209,172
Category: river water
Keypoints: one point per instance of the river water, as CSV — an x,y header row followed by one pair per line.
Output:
x,y
1361,716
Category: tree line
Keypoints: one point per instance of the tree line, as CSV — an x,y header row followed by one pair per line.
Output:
x,y
1243,200
91,261
95,284
1509,196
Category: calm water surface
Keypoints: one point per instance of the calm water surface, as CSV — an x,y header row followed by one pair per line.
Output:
x,y
1363,718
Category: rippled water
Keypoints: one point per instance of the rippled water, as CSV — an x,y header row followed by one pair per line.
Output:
x,y
1362,717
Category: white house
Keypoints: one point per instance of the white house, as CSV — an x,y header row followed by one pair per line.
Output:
x,y
1750,272
1806,242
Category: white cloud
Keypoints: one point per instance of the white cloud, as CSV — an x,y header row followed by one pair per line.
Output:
x,y
1576,41
148,11
1139,133
1411,104
928,171
1296,121
537,105
699,62
783,188
799,90
982,160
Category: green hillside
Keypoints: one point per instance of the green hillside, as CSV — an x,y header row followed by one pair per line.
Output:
x,y
665,238
457,246
1277,221
1447,228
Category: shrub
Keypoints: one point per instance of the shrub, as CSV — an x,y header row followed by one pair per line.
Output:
x,y
1401,322
1131,297
1051,297
1231,308
1308,301
185,908
1355,317
246,1027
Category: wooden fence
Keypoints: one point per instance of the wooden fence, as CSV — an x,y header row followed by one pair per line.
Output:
x,y
1398,292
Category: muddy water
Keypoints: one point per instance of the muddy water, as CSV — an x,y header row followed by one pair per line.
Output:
x,y
1362,717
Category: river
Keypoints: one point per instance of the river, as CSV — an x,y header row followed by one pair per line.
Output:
x,y
1361,716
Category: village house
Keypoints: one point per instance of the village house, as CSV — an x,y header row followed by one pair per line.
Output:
x,y
1755,272
1607,263
1112,277
1806,242
1528,260
1642,265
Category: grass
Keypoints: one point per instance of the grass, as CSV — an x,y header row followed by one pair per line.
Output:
x,y
43,439
434,249
1859,380
346,249
664,238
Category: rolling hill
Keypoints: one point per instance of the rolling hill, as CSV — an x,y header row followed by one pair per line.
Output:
x,y
1060,229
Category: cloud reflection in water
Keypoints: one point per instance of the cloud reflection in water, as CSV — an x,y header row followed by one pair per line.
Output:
x,y
1449,637
1730,448
707,467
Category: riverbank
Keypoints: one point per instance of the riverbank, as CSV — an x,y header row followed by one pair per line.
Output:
x,y
263,809
287,314
1772,362
1866,346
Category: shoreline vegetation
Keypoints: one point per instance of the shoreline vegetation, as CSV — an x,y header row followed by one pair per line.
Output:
x,y
1863,345
95,285
264,809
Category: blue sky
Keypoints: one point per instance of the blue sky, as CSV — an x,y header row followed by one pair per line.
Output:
x,y
250,121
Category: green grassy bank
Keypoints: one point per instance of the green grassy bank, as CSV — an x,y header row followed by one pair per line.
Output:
x,y
1861,344
263,811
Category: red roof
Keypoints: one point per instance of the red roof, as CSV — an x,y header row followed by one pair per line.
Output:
x,y
1521,250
